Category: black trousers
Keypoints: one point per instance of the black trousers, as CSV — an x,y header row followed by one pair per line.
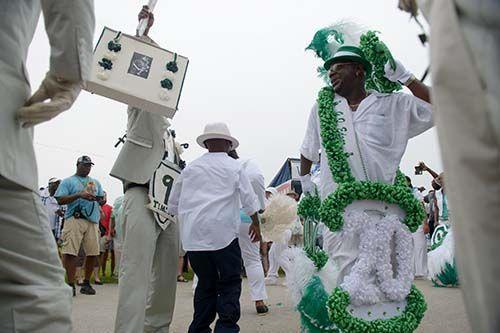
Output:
x,y
218,290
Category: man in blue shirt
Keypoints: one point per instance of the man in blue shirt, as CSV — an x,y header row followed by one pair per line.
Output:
x,y
82,195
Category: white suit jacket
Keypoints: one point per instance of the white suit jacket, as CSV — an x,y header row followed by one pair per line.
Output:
x,y
144,148
70,28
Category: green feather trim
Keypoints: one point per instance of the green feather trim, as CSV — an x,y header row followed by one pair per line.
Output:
x,y
448,276
312,309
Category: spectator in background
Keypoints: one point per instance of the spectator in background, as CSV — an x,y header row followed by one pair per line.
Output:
x,y
82,196
54,212
106,242
419,240
439,203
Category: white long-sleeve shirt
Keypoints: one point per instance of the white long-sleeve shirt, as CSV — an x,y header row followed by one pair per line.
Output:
x,y
256,180
376,134
207,197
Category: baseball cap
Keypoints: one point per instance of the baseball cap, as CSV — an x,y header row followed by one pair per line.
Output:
x,y
84,160
54,180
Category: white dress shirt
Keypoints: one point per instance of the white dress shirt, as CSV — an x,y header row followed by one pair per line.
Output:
x,y
376,134
207,197
256,180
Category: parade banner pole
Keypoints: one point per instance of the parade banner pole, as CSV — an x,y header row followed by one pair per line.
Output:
x,y
144,22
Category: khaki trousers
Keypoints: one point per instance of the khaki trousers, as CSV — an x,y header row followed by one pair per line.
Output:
x,y
465,61
148,269
33,294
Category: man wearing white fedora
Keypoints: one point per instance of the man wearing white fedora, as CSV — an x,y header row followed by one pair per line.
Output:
x,y
206,197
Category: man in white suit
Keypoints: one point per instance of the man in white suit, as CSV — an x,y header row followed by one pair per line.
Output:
x,y
148,267
34,297
465,53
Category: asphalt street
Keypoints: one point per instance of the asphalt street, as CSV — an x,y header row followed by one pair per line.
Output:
x,y
96,314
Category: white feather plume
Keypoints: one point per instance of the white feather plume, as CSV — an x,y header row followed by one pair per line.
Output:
x,y
300,269
279,216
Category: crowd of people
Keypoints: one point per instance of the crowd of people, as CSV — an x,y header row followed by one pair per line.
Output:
x,y
357,134
83,225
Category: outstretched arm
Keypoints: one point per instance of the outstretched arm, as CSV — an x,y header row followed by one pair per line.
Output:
x,y
424,167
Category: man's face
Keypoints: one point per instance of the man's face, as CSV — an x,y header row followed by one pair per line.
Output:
x,y
83,169
345,77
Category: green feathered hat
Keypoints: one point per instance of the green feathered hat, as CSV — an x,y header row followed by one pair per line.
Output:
x,y
348,53
347,41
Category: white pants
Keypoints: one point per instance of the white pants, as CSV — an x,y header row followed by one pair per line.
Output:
x,y
465,62
148,269
250,252
275,253
420,253
33,294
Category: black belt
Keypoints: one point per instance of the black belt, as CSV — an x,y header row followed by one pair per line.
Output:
x,y
132,185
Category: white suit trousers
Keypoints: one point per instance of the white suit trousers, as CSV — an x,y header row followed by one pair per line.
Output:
x,y
250,252
275,253
465,62
419,253
148,269
33,294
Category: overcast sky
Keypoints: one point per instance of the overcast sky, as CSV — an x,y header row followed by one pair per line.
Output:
x,y
247,67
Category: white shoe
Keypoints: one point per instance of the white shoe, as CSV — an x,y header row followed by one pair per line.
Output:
x,y
271,281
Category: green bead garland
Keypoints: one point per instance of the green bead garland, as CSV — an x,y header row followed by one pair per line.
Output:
x,y
350,190
378,54
408,321
309,206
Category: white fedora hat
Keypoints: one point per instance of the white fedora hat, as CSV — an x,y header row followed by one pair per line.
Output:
x,y
217,131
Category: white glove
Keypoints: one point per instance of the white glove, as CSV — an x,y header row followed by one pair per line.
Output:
x,y
399,74
307,185
61,94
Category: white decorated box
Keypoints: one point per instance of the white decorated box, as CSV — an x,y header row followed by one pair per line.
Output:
x,y
139,74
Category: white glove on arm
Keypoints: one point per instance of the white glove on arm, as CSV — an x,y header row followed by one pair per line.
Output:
x,y
399,74
61,94
307,185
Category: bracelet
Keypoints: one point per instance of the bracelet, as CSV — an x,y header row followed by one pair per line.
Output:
x,y
410,80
